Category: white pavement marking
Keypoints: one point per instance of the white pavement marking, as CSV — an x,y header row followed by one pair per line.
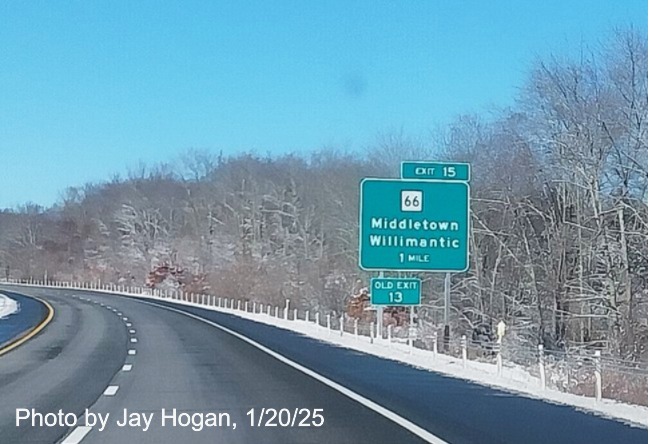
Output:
x,y
77,435
134,339
132,331
127,367
397,419
128,324
132,352
111,390
125,319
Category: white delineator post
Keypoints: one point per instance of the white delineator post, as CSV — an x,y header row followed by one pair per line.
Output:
x,y
329,324
286,310
317,318
389,333
295,314
598,374
434,346
372,332
307,316
463,348
499,361
356,328
277,310
542,370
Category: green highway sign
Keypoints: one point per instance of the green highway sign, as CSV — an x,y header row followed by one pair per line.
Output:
x,y
413,225
395,291
436,171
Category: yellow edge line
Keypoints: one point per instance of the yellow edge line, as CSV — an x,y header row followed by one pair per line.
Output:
x,y
33,332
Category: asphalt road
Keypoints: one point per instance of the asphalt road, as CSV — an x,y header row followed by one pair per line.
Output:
x,y
194,367
179,363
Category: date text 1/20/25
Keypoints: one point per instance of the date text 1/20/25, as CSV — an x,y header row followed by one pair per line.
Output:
x,y
298,417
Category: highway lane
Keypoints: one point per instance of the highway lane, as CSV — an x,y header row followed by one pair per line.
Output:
x,y
455,410
196,367
66,366
191,366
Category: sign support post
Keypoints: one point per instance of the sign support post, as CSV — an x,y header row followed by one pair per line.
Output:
x,y
447,333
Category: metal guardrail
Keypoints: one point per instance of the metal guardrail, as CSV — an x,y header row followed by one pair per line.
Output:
x,y
583,374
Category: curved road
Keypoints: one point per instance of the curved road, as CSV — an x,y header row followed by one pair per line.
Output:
x,y
181,362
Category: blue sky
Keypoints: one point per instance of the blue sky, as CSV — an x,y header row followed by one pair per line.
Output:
x,y
90,88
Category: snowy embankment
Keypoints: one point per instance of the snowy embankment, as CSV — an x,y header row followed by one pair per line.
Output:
x,y
513,378
7,306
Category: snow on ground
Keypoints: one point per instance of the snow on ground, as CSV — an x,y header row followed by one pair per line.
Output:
x,y
7,306
513,378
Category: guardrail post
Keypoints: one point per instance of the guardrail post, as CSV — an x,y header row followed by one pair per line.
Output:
x,y
254,307
268,310
307,316
356,328
286,310
598,374
277,309
389,334
232,303
463,347
499,360
341,325
295,314
329,324
434,346
542,369
372,332
318,318
246,306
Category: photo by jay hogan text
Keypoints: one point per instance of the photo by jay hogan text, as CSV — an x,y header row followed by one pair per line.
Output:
x,y
196,421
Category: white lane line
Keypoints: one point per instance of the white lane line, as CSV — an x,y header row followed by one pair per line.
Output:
x,y
397,419
114,311
125,319
132,331
111,390
128,324
132,352
119,313
127,367
77,435
134,339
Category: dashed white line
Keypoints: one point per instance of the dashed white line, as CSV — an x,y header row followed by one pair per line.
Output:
x,y
132,352
132,331
77,435
128,324
127,367
134,339
111,390
125,319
